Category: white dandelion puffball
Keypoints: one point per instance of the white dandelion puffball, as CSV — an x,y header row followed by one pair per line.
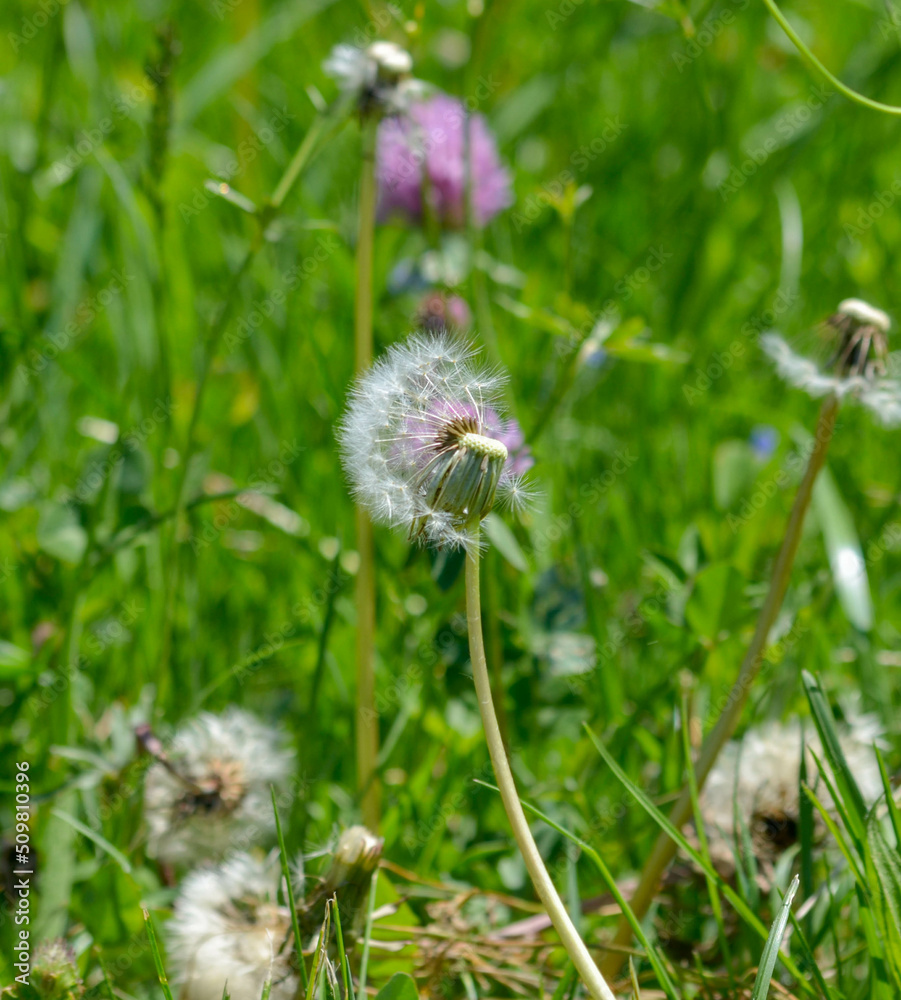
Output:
x,y
759,779
859,361
211,794
229,932
423,444
377,77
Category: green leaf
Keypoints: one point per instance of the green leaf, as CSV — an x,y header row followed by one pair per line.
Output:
x,y
60,534
849,570
773,942
399,987
503,539
716,605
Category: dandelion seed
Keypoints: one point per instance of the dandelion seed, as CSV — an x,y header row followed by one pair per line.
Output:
x,y
758,778
423,442
377,77
230,931
210,793
420,155
859,362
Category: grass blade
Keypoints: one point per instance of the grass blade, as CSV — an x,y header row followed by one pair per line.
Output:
x,y
771,949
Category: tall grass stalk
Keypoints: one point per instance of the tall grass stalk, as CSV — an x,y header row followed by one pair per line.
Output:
x,y
547,893
665,848
367,719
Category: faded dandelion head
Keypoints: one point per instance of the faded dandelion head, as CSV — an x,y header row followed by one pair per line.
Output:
x,y
758,778
230,932
209,793
422,441
859,365
376,77
420,165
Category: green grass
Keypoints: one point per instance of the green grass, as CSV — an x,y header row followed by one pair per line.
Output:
x,y
153,593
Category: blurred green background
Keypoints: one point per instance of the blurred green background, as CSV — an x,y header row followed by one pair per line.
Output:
x,y
694,139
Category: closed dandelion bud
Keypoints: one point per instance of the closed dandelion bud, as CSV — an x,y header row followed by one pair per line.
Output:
x,y
348,878
423,443
859,366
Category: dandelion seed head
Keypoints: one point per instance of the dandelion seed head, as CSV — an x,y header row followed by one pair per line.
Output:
x,y
865,314
423,441
212,794
758,778
377,76
420,155
229,930
860,361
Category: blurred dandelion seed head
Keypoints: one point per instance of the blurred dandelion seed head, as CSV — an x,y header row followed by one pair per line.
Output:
x,y
423,443
859,366
228,929
759,779
377,77
214,793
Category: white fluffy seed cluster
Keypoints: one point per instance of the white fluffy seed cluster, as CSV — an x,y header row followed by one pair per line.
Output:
x,y
877,393
230,932
758,779
377,76
214,795
401,414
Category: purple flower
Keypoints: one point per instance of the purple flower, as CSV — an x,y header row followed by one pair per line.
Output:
x,y
433,133
438,311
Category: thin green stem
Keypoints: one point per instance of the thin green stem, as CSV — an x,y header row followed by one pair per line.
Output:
x,y
811,60
367,718
665,848
547,893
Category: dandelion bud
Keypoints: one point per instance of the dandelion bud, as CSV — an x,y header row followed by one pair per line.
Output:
x,y
422,441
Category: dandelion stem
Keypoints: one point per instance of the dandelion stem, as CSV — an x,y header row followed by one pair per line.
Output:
x,y
664,848
367,718
811,60
573,944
